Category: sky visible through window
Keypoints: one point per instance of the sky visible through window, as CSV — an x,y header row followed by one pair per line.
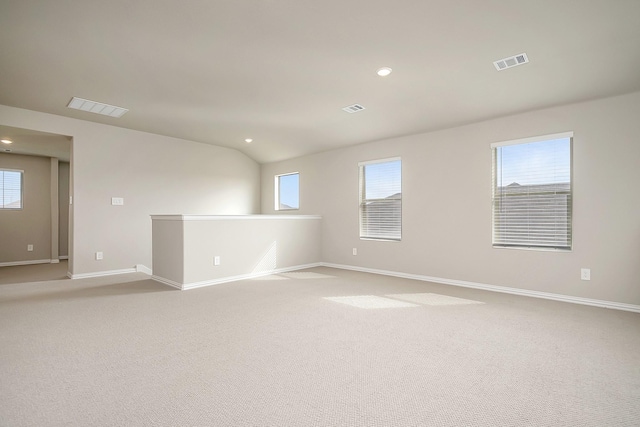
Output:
x,y
544,162
290,191
383,179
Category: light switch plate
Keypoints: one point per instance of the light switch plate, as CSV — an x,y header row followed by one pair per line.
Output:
x,y
117,201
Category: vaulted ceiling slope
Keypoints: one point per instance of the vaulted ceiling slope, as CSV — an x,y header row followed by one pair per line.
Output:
x,y
280,71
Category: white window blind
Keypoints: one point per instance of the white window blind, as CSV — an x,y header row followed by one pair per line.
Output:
x,y
532,193
381,199
10,189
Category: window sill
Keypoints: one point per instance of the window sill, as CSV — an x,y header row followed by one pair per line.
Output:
x,y
535,249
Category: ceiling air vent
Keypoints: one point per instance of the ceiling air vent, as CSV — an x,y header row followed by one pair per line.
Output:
x,y
512,61
96,107
353,108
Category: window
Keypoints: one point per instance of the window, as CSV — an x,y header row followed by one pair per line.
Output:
x,y
287,191
10,189
532,195
381,199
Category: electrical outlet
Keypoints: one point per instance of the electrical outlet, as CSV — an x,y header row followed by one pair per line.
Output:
x,y
216,260
30,248
117,201
99,256
585,274
355,251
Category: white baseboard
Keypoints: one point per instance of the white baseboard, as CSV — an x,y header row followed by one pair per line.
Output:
x,y
34,261
55,261
194,285
166,282
63,257
140,268
494,288
102,273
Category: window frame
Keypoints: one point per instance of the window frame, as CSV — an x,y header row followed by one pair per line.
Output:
x,y
362,200
2,206
500,243
277,192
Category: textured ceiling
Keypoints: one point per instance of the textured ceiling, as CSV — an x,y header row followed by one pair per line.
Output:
x,y
279,71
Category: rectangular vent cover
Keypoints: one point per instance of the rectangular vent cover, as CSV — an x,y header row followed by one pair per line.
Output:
x,y
512,61
96,107
353,108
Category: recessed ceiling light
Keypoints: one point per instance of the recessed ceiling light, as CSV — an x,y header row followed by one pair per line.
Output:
x,y
96,107
384,71
6,141
248,140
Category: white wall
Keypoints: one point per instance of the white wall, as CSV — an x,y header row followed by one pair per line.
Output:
x,y
63,205
447,203
184,247
154,174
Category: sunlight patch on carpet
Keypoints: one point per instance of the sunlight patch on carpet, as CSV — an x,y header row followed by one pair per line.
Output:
x,y
370,302
433,299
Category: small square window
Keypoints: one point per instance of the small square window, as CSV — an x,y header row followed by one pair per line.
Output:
x,y
287,191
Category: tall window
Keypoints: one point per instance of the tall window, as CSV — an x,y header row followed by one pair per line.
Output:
x,y
10,189
287,191
381,199
532,195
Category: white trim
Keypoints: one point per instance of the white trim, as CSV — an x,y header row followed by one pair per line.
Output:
x,y
35,261
63,257
380,239
534,248
55,261
228,217
102,273
140,268
533,139
276,192
194,285
494,288
166,281
373,162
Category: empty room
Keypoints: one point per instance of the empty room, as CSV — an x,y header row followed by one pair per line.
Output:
x,y
305,213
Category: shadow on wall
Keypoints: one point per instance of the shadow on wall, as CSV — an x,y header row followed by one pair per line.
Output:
x,y
268,262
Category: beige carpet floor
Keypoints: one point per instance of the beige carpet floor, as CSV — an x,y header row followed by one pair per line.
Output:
x,y
33,273
323,347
